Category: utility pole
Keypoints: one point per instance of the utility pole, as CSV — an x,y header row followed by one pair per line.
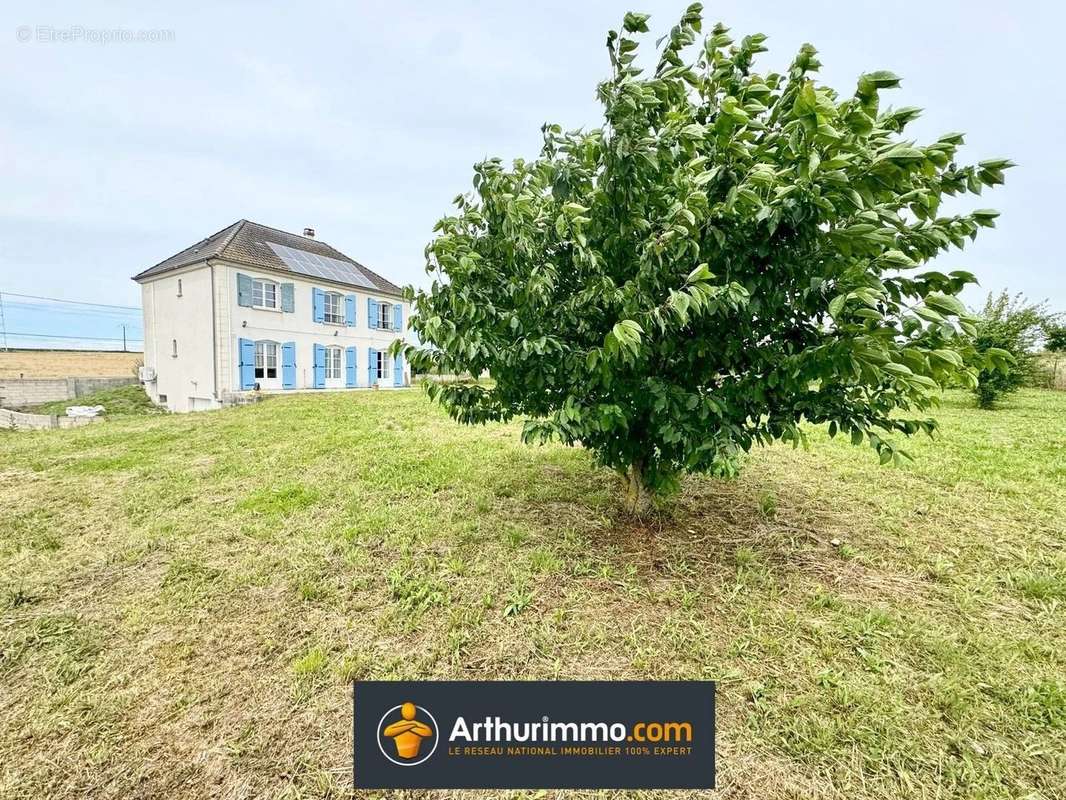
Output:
x,y
3,326
123,338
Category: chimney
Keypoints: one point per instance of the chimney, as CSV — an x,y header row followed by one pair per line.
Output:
x,y
309,233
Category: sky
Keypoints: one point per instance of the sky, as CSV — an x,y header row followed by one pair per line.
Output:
x,y
363,120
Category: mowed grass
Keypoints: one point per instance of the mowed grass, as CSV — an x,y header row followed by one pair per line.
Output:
x,y
184,599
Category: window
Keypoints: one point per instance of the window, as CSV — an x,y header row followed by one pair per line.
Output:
x,y
383,364
173,348
179,287
334,308
266,360
264,294
383,315
333,362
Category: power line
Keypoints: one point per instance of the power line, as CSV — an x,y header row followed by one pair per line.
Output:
x,y
75,336
52,307
72,302
27,314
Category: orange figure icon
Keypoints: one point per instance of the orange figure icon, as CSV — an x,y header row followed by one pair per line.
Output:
x,y
408,733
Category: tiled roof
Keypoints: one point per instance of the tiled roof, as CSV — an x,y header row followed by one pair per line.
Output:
x,y
248,243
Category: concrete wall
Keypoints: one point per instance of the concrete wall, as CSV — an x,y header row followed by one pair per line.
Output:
x,y
21,392
30,422
194,380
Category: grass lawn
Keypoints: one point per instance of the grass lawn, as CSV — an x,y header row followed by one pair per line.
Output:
x,y
123,401
184,598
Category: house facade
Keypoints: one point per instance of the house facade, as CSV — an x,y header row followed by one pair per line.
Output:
x,y
256,309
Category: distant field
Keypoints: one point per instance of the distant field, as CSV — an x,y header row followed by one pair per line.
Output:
x,y
67,363
184,598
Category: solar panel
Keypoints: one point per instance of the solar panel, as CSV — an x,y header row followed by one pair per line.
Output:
x,y
317,266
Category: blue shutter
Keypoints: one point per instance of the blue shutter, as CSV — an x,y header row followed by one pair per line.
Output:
x,y
318,305
288,365
371,366
349,310
397,317
320,366
349,366
397,369
371,312
246,363
244,290
288,298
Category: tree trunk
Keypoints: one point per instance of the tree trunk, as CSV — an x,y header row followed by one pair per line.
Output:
x,y
637,497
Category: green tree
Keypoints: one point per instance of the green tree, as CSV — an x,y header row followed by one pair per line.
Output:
x,y
1014,325
729,254
1055,338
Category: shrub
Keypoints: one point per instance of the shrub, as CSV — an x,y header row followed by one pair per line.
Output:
x,y
1013,325
732,252
1055,338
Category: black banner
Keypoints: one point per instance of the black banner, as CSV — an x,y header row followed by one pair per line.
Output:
x,y
533,735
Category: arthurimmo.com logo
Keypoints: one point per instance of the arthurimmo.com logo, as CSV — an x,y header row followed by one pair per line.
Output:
x,y
407,734
533,734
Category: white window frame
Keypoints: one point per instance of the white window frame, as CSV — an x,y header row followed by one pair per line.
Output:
x,y
384,314
259,294
334,363
336,317
384,368
266,352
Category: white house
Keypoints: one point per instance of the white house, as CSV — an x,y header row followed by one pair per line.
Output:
x,y
253,308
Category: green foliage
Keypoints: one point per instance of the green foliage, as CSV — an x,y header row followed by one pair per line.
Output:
x,y
730,253
1010,325
1055,338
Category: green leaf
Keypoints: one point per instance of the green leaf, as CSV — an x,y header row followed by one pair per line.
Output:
x,y
836,305
700,273
881,79
950,356
635,23
897,369
928,314
945,303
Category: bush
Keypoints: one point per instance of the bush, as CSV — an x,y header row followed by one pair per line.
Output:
x,y
1013,325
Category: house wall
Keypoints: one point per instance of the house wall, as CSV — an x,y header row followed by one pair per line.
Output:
x,y
195,381
185,381
241,322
